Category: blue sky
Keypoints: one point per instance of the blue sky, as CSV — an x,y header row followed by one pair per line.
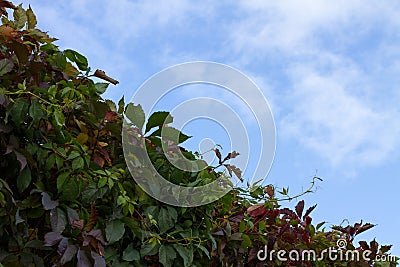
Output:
x,y
329,69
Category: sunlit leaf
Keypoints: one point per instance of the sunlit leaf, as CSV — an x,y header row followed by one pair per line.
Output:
x,y
31,18
76,57
135,114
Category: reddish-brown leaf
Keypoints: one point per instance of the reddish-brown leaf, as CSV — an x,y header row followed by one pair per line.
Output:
x,y
385,249
256,210
238,217
309,210
364,245
299,208
365,227
102,75
218,154
270,191
92,219
7,4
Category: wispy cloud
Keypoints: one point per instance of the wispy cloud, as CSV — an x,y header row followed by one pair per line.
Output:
x,y
335,101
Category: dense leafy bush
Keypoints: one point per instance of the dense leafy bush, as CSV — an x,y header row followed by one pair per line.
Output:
x,y
67,197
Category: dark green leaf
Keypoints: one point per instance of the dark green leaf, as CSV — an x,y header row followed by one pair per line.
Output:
x,y
135,114
70,190
115,229
166,255
80,60
58,220
171,134
130,254
20,110
158,118
6,65
61,180
186,254
24,179
121,105
35,111
148,249
167,218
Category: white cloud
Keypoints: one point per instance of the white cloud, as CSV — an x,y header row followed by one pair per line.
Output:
x,y
339,125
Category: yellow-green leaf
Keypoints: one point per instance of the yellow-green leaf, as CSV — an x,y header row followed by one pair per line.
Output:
x,y
31,18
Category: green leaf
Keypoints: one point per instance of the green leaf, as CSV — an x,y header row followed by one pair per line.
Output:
x,y
31,18
115,229
58,220
166,255
61,180
73,154
40,36
79,59
102,182
121,105
20,17
101,87
171,134
130,254
36,111
6,65
59,117
167,218
19,110
202,248
78,163
24,179
50,161
70,190
185,253
158,118
148,249
135,114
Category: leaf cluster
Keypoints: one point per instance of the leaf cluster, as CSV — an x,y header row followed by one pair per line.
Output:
x,y
68,199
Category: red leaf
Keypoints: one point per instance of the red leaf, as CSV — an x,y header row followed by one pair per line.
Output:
x,y
256,210
307,220
364,245
111,116
270,191
309,210
299,208
7,4
365,227
98,160
218,154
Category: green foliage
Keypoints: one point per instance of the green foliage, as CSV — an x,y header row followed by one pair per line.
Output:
x,y
67,197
